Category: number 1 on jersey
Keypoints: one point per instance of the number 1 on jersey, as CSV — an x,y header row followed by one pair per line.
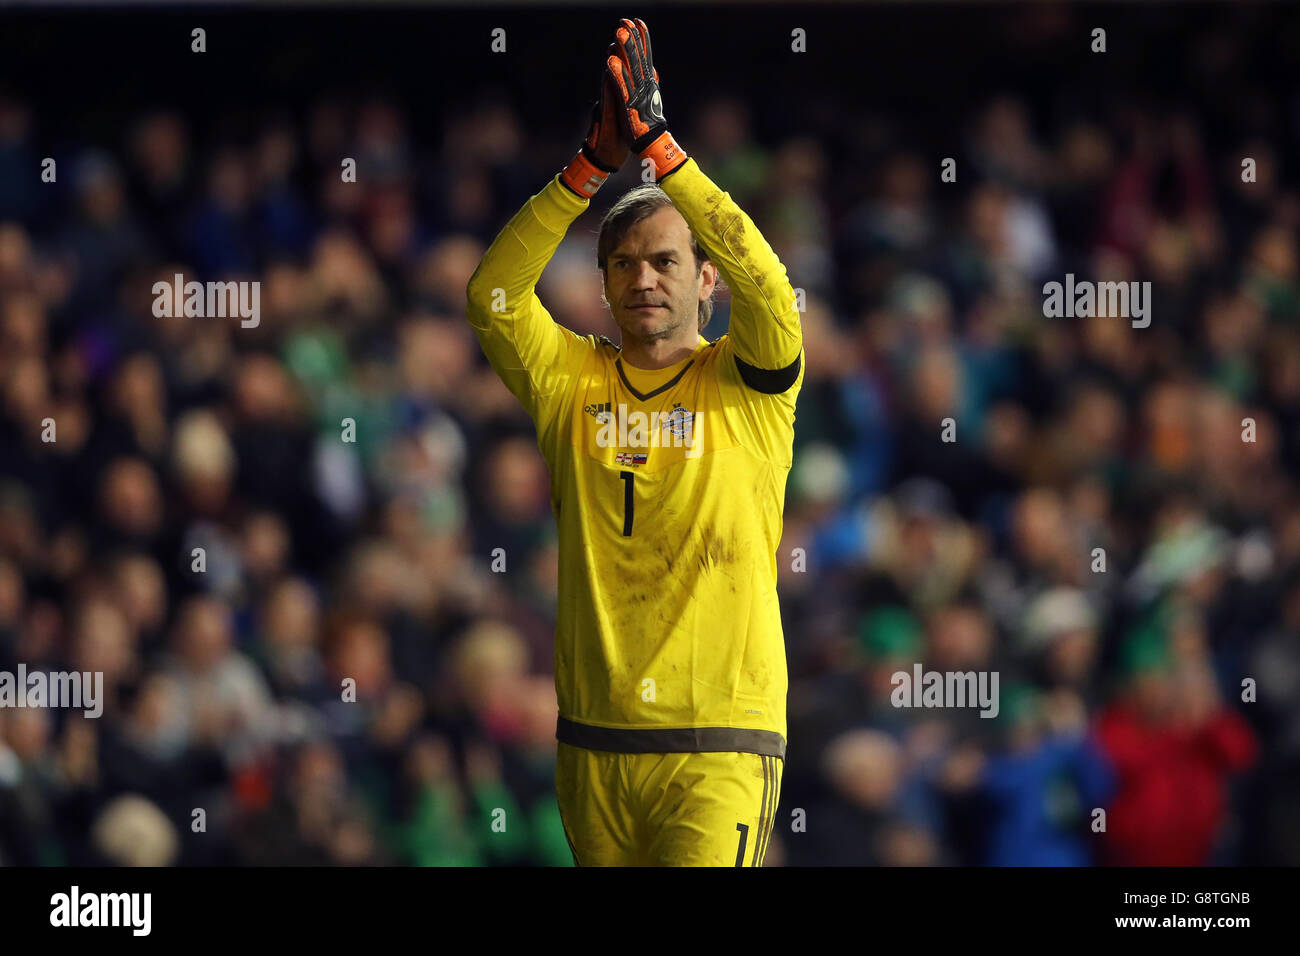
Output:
x,y
627,477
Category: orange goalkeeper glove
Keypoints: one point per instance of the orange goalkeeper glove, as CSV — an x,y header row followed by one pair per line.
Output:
x,y
603,151
641,108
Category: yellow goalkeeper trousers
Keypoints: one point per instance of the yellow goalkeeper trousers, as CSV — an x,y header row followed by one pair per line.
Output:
x,y
673,809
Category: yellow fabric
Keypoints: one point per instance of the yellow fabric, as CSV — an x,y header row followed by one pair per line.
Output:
x,y
680,809
675,625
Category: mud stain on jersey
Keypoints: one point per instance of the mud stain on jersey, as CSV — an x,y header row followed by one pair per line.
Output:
x,y
716,551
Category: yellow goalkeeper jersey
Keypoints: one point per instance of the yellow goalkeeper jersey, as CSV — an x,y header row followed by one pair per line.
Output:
x,y
667,487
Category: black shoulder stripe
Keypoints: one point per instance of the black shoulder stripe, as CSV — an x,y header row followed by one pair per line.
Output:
x,y
769,381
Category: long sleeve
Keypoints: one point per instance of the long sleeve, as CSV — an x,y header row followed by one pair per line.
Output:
x,y
765,327
535,357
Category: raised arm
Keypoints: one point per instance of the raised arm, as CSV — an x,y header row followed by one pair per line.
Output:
x,y
765,330
534,356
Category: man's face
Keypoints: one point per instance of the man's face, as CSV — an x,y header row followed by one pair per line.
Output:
x,y
651,282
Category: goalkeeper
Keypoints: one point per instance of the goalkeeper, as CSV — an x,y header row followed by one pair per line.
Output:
x,y
668,455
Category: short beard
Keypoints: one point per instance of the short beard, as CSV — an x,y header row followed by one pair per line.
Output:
x,y
649,338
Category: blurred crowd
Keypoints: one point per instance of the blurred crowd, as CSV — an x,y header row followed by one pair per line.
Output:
x,y
1099,533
